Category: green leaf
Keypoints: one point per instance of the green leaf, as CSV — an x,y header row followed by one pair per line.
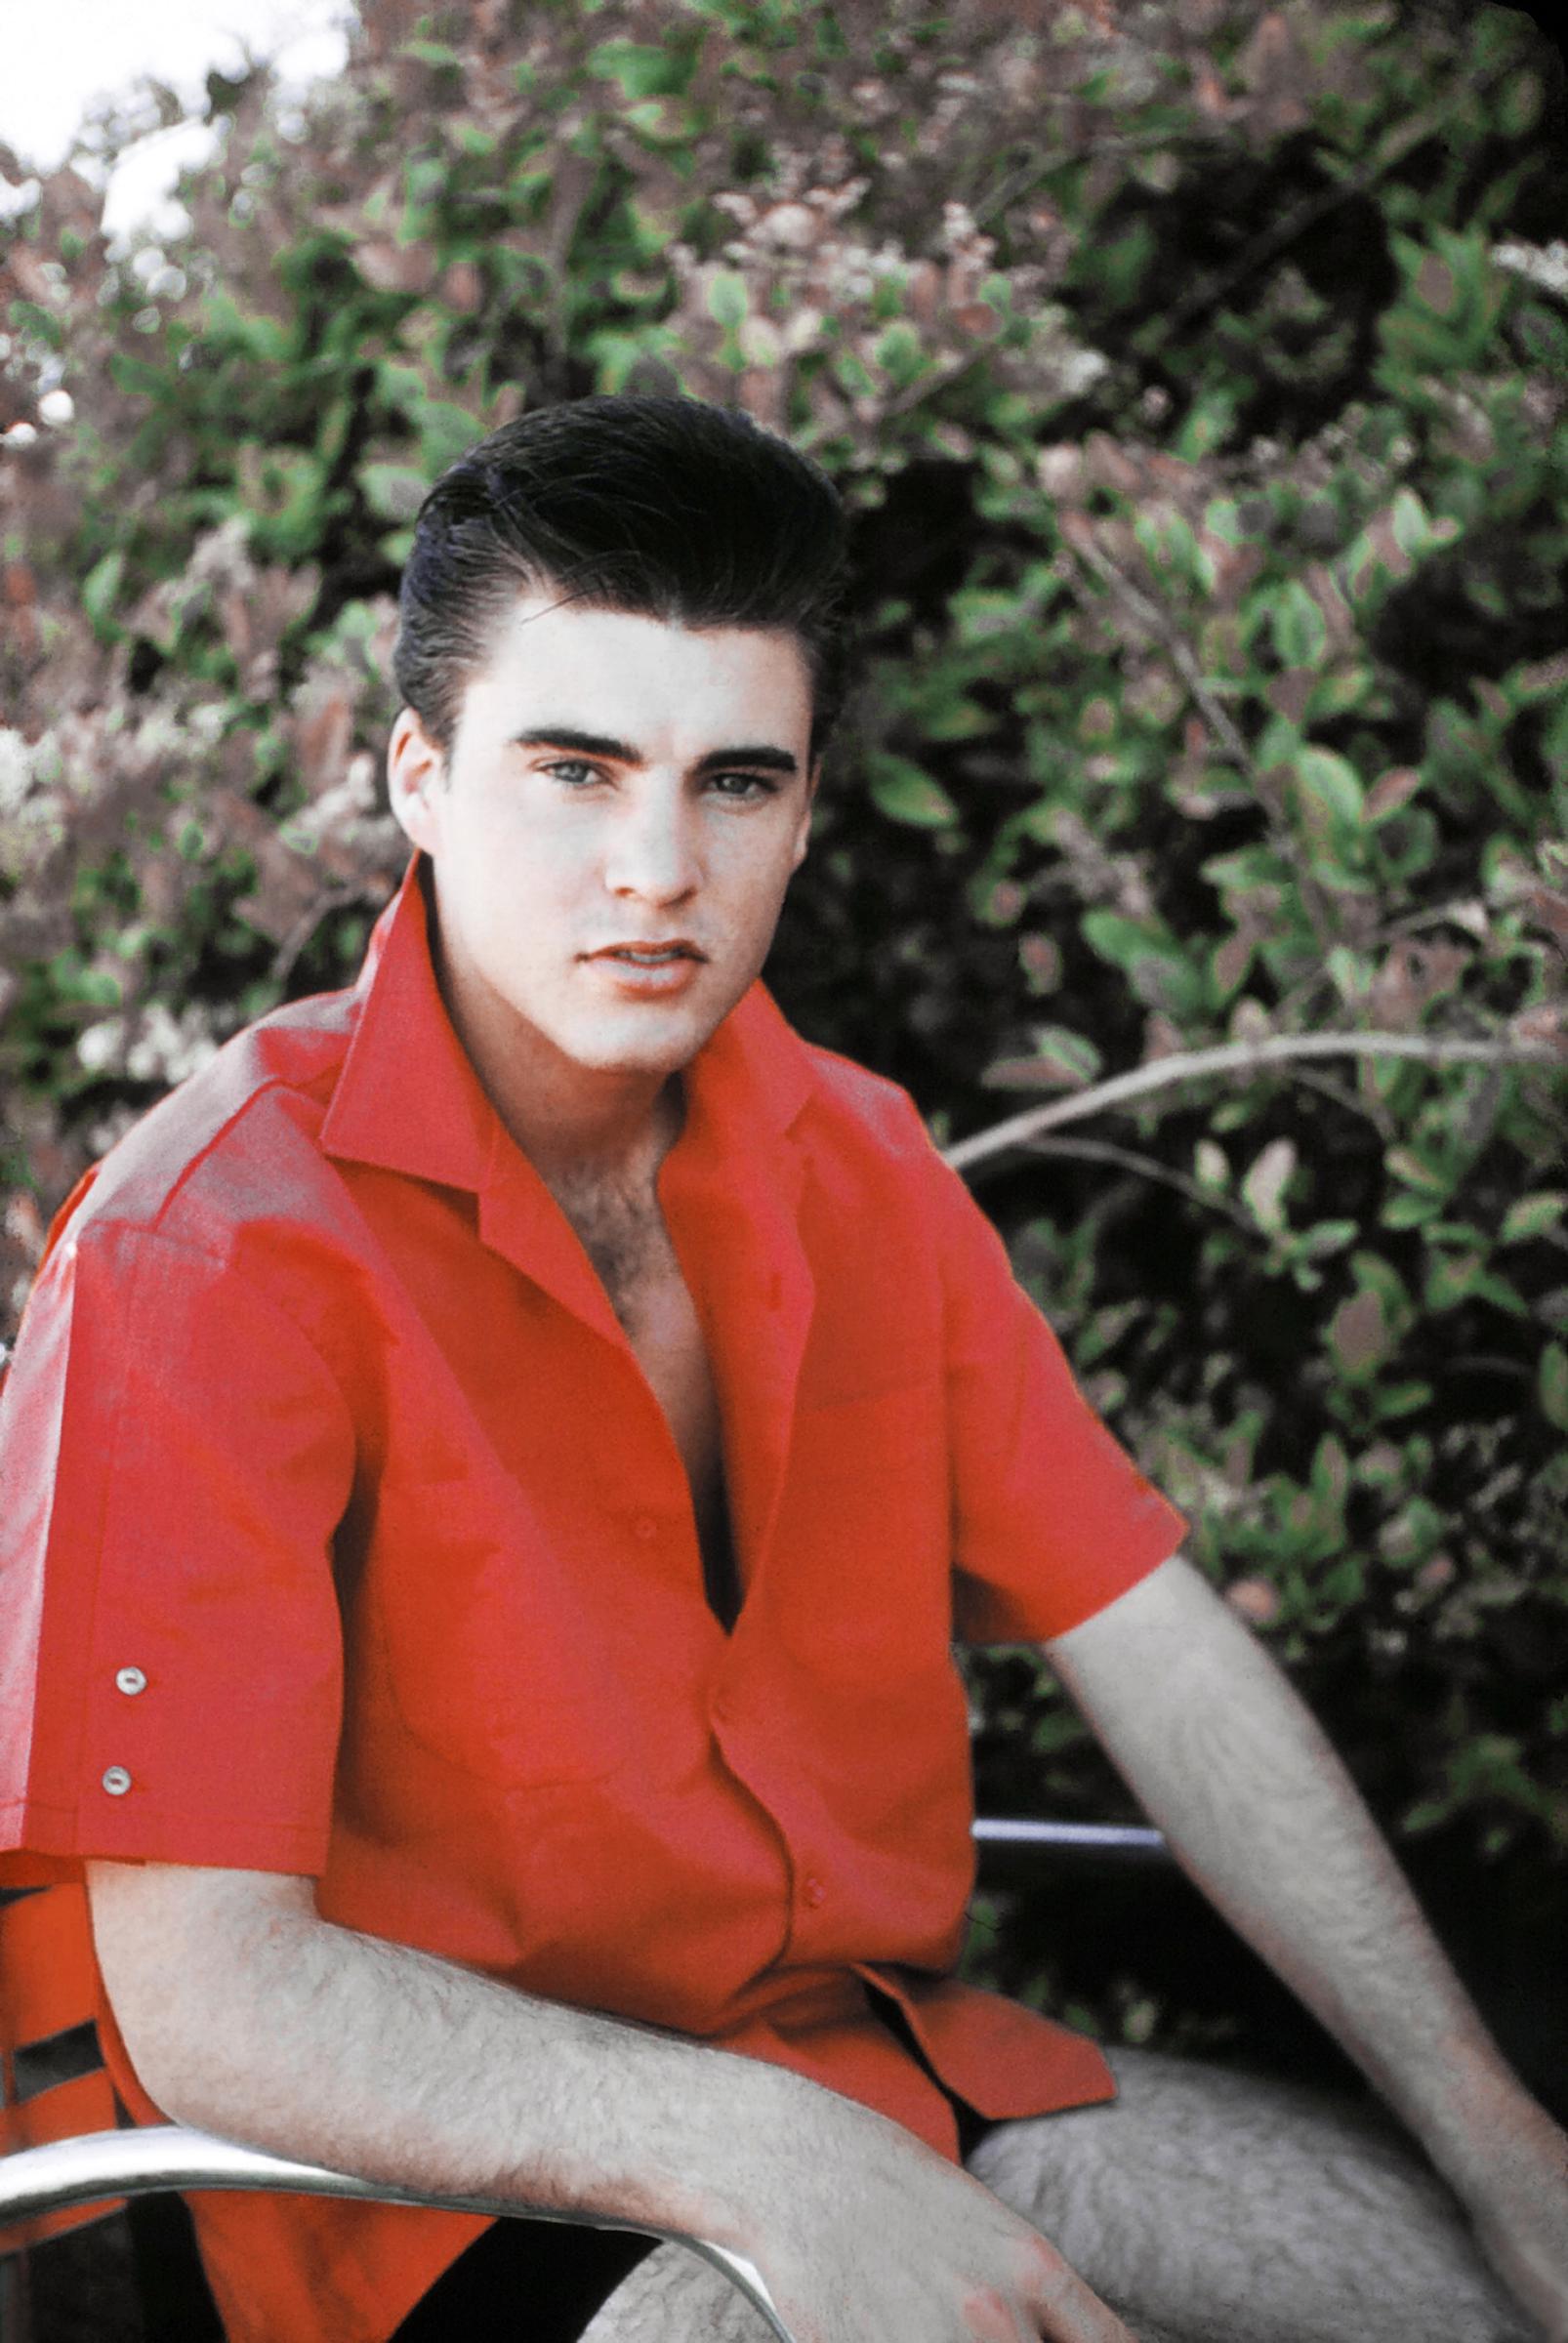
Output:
x,y
1553,1385
1332,782
1533,1215
431,52
1416,1171
101,586
1359,1334
1300,629
1157,967
1263,1187
1411,522
901,355
1211,1167
1411,1534
727,303
1392,1400
641,71
906,793
136,375
1064,1055
1455,1278
1327,1237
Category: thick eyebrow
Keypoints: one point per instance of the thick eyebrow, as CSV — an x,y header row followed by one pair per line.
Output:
x,y
760,755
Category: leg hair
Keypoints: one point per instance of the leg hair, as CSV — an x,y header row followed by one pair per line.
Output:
x,y
1206,2206
675,2296
1227,2208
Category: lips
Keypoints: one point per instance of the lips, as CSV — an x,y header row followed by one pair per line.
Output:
x,y
651,955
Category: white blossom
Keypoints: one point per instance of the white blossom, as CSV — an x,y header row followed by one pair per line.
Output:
x,y
1543,265
16,773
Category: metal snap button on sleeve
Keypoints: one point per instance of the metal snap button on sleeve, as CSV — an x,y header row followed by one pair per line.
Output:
x,y
130,1680
117,1781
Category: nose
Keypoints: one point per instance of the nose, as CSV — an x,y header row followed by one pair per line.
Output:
x,y
652,851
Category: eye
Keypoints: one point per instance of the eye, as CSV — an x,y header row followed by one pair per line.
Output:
x,y
575,772
743,789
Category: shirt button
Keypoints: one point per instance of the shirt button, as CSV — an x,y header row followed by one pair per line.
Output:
x,y
130,1680
646,1528
117,1781
815,1890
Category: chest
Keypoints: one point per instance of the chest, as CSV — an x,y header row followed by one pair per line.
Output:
x,y
626,1239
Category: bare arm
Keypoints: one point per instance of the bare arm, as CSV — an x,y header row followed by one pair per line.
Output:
x,y
295,2035
1262,1814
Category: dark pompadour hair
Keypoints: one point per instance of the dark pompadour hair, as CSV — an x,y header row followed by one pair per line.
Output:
x,y
663,507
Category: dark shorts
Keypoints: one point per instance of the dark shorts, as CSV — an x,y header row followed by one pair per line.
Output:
x,y
545,2279
540,2278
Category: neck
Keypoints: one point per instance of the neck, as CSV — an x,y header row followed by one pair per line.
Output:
x,y
621,1136
571,1120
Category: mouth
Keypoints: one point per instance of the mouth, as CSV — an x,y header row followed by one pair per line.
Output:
x,y
649,956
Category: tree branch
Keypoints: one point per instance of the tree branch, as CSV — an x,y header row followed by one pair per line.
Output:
x,y
1157,621
1236,1057
1125,1159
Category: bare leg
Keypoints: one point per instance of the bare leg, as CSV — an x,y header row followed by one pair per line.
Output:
x,y
1206,2207
675,2298
1215,2207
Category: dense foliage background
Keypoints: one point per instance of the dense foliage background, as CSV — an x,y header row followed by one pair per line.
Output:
x,y
1196,375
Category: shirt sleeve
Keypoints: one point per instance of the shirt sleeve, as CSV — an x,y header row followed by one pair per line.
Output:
x,y
1052,1519
174,1456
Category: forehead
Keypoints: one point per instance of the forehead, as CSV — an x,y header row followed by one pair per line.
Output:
x,y
644,679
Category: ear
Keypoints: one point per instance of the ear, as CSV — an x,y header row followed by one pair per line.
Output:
x,y
416,771
802,835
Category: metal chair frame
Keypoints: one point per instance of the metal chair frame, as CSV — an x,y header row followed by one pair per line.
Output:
x,y
96,2166
169,2156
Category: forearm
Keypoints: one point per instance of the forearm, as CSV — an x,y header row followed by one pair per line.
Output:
x,y
1262,1814
306,2039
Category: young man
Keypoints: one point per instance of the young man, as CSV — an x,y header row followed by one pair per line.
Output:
x,y
495,1465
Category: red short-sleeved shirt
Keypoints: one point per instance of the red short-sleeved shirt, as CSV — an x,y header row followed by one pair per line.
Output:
x,y
344,1536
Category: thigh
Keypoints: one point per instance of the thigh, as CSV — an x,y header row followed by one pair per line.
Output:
x,y
1215,2208
675,2296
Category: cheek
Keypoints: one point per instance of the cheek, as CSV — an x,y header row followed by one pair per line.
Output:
x,y
507,855
754,905
754,866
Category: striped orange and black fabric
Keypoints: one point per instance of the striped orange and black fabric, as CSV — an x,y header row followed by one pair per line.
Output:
x,y
52,2081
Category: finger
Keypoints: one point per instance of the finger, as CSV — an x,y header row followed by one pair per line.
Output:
x,y
1069,2312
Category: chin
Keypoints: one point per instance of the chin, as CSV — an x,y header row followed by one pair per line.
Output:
x,y
663,1051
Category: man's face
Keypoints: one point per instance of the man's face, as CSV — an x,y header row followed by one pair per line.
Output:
x,y
611,836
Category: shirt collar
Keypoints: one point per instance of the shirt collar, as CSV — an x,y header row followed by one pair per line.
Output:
x,y
409,1101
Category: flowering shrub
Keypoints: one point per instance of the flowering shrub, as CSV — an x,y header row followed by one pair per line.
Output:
x,y
1196,377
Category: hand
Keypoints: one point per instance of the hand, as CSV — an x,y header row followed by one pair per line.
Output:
x,y
873,2234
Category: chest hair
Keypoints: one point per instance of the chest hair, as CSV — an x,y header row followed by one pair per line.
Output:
x,y
622,1231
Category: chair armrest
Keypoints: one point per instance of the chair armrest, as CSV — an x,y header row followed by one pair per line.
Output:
x,y
167,2155
1125,1843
